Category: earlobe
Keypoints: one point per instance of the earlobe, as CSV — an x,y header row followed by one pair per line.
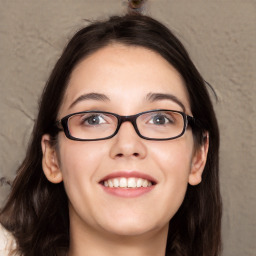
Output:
x,y
50,161
198,162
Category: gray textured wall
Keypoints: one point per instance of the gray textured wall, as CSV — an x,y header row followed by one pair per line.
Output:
x,y
220,36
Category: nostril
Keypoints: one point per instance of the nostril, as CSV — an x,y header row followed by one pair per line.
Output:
x,y
122,155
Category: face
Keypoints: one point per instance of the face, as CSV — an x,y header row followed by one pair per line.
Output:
x,y
125,75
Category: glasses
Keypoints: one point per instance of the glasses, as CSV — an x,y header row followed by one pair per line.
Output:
x,y
150,125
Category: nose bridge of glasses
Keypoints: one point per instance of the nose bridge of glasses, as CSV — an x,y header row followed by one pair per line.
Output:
x,y
131,119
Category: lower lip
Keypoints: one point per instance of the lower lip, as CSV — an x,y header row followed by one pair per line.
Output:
x,y
127,192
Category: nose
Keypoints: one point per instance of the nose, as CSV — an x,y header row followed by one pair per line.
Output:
x,y
127,143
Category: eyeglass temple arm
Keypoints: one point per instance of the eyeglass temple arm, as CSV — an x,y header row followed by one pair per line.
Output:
x,y
58,125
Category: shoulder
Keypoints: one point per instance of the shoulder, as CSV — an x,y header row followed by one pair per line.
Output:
x,y
7,242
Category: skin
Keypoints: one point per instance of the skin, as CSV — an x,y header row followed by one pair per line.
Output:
x,y
101,223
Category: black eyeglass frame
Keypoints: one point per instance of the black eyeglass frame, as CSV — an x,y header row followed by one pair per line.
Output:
x,y
188,120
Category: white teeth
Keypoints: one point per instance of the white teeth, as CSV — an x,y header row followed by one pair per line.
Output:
x,y
132,183
123,183
127,183
110,183
145,184
116,183
139,183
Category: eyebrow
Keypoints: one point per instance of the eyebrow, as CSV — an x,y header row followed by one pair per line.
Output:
x,y
90,96
152,97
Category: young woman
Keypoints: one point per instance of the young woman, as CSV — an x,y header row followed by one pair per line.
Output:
x,y
123,159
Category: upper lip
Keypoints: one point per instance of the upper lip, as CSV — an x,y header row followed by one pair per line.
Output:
x,y
129,174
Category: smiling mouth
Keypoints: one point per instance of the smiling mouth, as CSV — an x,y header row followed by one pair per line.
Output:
x,y
131,183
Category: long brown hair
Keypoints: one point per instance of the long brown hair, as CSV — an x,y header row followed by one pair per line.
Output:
x,y
37,211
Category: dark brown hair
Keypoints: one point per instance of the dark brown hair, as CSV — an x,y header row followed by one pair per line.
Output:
x,y
37,211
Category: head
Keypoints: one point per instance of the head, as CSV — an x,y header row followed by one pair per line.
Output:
x,y
191,208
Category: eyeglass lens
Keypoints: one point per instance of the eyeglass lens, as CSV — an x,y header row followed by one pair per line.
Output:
x,y
155,125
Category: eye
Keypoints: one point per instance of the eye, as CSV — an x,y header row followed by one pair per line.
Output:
x,y
161,119
94,119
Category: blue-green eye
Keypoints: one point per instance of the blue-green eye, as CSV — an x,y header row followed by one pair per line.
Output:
x,y
93,120
160,119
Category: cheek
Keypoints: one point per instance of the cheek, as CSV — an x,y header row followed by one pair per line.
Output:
x,y
78,157
79,162
174,162
174,157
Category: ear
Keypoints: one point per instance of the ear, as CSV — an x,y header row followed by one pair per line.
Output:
x,y
198,162
50,161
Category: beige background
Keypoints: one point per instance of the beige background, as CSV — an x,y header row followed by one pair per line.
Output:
x,y
220,36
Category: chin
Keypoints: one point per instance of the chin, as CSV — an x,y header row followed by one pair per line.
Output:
x,y
132,227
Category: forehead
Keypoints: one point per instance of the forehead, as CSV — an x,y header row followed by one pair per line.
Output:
x,y
126,74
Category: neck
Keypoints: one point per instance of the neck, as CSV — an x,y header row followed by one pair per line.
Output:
x,y
87,242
